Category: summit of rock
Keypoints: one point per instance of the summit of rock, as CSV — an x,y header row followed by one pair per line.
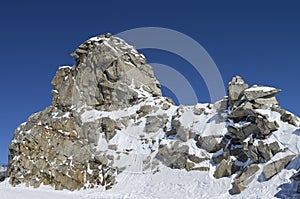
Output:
x,y
108,74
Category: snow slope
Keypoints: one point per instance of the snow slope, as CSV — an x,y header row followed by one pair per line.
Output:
x,y
136,182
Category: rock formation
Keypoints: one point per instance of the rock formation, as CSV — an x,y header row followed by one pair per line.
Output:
x,y
108,117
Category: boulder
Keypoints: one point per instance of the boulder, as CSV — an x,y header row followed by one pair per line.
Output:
x,y
197,159
286,116
243,132
256,92
209,143
242,180
218,157
235,90
263,152
276,167
290,118
265,103
154,123
181,132
109,127
174,157
3,173
198,111
266,127
224,169
242,113
144,110
221,106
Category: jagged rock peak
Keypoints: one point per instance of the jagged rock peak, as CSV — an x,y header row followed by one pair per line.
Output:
x,y
109,74
88,139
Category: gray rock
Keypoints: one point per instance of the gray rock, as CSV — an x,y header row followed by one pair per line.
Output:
x,y
241,181
144,110
175,157
166,106
182,133
224,169
265,103
109,127
209,143
239,153
275,148
101,77
198,111
221,106
243,132
256,92
197,159
235,90
189,166
266,127
263,152
219,157
290,118
276,167
286,116
242,112
154,123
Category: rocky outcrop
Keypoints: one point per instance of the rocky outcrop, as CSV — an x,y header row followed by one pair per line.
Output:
x,y
56,146
106,76
57,152
108,117
244,144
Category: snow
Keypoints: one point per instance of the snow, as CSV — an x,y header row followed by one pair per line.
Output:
x,y
166,183
137,182
260,88
3,169
62,67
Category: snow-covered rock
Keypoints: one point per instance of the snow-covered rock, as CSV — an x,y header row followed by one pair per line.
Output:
x,y
110,128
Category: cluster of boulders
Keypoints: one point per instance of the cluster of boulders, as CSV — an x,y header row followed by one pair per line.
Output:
x,y
243,148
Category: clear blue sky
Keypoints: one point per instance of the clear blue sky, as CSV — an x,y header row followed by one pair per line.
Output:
x,y
259,40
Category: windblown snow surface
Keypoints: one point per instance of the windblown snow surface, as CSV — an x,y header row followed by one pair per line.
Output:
x,y
173,183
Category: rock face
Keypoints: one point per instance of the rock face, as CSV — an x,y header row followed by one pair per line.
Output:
x,y
55,146
106,76
108,117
